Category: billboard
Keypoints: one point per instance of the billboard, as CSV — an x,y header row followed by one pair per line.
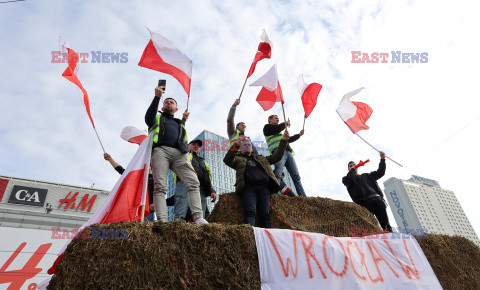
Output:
x,y
26,255
40,196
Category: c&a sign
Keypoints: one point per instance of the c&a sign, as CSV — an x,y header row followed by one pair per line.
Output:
x,y
28,195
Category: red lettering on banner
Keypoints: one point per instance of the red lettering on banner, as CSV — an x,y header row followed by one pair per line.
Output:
x,y
377,259
407,269
326,257
308,253
17,278
362,260
289,262
84,202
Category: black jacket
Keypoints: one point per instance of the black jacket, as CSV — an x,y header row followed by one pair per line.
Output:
x,y
150,116
354,185
270,129
200,168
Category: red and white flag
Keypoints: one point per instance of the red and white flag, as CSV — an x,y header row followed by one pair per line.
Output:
x,y
271,91
264,51
123,203
309,94
71,74
133,135
354,114
161,55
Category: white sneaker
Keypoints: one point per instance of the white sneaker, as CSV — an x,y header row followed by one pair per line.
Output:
x,y
201,221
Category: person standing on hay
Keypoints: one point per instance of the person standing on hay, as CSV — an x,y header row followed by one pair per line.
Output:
x,y
204,176
273,134
255,178
364,190
170,151
235,131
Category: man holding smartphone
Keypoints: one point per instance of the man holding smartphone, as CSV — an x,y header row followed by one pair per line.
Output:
x,y
170,151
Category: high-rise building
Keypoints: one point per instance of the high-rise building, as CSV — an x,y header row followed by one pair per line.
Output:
x,y
421,204
223,177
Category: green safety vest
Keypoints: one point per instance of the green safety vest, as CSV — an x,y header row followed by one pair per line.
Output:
x,y
156,129
273,141
190,156
234,139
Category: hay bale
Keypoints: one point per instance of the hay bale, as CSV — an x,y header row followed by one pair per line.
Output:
x,y
455,260
184,255
173,255
312,214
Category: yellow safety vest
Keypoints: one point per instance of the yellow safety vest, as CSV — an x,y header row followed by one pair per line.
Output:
x,y
190,156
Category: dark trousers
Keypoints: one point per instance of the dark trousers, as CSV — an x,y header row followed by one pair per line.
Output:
x,y
378,207
257,198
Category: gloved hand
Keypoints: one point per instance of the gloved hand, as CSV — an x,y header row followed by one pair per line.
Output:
x,y
361,163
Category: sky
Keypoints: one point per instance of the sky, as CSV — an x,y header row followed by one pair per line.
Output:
x,y
425,115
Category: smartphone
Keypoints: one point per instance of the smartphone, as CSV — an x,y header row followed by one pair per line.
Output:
x,y
162,83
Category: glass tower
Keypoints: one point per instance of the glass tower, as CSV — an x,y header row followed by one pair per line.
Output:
x,y
223,177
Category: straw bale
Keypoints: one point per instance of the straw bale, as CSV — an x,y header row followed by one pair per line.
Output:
x,y
223,255
312,214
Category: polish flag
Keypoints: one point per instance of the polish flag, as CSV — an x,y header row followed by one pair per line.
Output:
x,y
309,94
354,114
264,51
124,202
71,74
271,91
133,135
161,55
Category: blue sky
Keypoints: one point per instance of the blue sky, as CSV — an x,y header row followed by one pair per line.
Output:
x,y
45,133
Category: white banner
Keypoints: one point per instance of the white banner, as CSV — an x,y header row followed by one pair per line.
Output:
x,y
27,254
301,260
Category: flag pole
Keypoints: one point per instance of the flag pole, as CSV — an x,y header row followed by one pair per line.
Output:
x,y
188,96
284,118
378,150
142,215
98,137
241,92
304,123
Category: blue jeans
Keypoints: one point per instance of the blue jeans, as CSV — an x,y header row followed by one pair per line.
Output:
x,y
150,217
181,201
257,199
289,162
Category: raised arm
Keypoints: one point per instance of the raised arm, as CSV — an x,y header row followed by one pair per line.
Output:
x,y
229,158
381,168
152,110
231,117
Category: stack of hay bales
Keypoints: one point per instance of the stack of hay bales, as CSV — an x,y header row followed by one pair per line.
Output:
x,y
311,214
223,254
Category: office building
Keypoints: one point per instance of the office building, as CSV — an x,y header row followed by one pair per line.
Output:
x,y
421,204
